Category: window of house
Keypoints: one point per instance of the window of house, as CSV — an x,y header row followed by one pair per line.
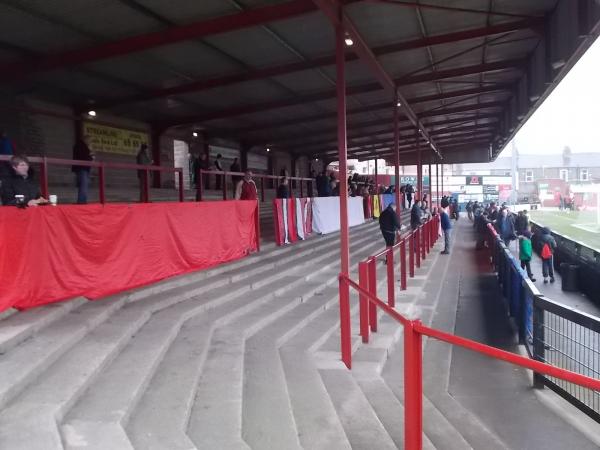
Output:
x,y
528,176
584,175
564,174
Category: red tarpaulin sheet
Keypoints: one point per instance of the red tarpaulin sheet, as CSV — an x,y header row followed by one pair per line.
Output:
x,y
52,253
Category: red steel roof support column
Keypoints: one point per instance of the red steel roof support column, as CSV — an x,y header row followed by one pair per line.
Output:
x,y
437,184
342,159
429,189
442,164
419,167
397,157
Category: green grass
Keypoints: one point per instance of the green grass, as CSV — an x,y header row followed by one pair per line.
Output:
x,y
563,222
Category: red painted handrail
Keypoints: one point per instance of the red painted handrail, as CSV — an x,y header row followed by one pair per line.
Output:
x,y
102,166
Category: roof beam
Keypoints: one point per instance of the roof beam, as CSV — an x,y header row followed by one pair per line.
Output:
x,y
377,107
329,94
408,139
328,60
295,143
384,150
172,35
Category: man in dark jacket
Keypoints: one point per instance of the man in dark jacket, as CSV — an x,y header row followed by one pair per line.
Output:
x,y
283,190
82,152
446,224
505,227
20,182
389,224
416,215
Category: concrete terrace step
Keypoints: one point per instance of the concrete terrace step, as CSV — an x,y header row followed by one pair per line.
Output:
x,y
80,423
173,387
267,418
32,357
201,427
17,327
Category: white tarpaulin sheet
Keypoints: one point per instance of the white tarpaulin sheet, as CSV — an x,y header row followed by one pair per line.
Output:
x,y
326,213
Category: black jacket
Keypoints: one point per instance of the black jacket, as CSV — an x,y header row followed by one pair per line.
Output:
x,y
415,216
82,152
17,185
283,191
388,221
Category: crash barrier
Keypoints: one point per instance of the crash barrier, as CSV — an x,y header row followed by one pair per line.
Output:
x,y
263,182
551,332
43,163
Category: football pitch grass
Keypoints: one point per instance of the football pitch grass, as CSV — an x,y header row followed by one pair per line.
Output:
x,y
580,226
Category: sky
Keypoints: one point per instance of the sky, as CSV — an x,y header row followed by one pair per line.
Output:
x,y
569,116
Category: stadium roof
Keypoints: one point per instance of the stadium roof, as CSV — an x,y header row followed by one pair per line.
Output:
x,y
263,71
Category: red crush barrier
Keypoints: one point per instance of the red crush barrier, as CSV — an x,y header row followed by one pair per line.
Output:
x,y
52,253
413,363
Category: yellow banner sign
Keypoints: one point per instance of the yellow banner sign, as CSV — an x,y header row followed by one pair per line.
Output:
x,y
104,139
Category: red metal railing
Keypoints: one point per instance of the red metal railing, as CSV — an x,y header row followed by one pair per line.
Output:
x,y
200,183
414,331
44,162
367,272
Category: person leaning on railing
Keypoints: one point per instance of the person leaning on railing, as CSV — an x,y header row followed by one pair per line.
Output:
x,y
246,188
20,182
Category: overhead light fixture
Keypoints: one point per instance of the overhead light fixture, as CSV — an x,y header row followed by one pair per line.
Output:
x,y
317,159
268,149
398,104
349,42
195,134
92,113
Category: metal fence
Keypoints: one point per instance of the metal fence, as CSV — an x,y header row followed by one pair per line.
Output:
x,y
551,332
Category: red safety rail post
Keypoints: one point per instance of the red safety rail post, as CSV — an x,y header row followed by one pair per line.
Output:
x,y
224,181
391,277
44,177
373,291
418,247
101,185
345,324
200,186
363,280
411,254
413,387
146,186
403,264
257,226
181,191
423,232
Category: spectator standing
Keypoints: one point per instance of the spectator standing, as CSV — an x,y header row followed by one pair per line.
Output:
x,y
246,188
283,190
82,152
493,212
416,215
409,194
505,226
218,167
403,196
469,208
525,253
20,182
446,225
143,159
548,248
389,225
